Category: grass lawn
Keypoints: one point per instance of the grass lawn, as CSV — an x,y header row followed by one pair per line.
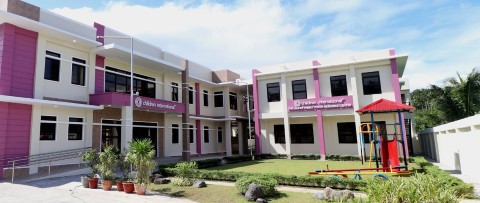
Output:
x,y
293,167
218,193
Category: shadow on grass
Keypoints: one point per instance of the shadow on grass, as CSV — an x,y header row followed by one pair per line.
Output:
x,y
237,165
168,191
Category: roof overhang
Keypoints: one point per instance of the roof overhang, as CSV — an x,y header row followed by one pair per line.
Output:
x,y
31,101
122,54
28,24
211,119
400,59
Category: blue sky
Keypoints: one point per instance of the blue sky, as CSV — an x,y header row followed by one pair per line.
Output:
x,y
440,37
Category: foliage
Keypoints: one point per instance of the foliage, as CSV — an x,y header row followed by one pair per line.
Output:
x,y
141,155
460,188
456,99
271,156
179,181
209,163
237,159
186,169
307,156
291,180
124,166
268,184
419,188
108,160
93,160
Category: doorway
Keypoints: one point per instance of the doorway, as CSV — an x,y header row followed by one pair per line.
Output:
x,y
146,130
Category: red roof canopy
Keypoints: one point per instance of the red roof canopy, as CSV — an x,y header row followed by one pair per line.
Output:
x,y
384,106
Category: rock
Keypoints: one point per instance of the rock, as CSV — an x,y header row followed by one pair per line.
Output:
x,y
199,184
261,200
160,181
254,192
319,196
155,176
332,195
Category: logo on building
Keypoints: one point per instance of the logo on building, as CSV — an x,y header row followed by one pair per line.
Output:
x,y
297,103
138,102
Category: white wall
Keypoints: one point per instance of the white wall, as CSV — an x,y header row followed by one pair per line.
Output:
x,y
460,137
385,73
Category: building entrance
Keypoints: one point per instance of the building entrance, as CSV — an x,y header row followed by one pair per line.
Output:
x,y
146,130
111,133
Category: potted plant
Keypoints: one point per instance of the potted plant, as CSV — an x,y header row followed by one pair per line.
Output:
x,y
128,186
141,155
92,158
125,169
108,160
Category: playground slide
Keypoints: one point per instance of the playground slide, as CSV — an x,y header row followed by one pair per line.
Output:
x,y
389,153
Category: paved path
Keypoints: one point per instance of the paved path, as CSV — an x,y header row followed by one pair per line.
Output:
x,y
467,179
69,189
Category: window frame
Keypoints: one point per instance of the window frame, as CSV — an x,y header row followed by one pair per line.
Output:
x,y
219,135
191,133
345,140
205,98
49,122
82,134
51,55
118,74
281,134
302,126
295,92
333,90
367,91
216,96
175,128
233,100
174,91
190,95
206,134
79,64
272,97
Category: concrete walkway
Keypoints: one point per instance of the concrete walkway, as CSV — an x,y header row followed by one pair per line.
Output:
x,y
69,189
465,178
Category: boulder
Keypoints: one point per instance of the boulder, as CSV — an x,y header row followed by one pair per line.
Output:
x,y
155,176
261,200
199,184
332,195
158,181
254,192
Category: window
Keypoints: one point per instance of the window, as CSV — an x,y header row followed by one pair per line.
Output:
x,y
190,131
346,133
273,92
233,101
371,83
299,89
206,134
219,135
52,66
174,91
75,128
205,98
218,99
338,85
404,100
279,133
117,80
301,133
78,72
190,95
48,129
175,136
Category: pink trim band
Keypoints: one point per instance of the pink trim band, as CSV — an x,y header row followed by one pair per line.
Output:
x,y
258,133
321,135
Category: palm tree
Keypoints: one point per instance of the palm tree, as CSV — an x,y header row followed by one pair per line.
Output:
x,y
466,92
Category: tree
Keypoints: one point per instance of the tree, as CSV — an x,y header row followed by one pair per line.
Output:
x,y
466,92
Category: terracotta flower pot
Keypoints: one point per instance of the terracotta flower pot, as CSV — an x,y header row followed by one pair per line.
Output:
x,y
84,181
128,187
120,185
140,189
107,184
93,183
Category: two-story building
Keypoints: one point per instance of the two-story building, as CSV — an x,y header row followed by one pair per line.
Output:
x,y
66,85
308,107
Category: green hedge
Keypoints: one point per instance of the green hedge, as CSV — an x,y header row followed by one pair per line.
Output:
x,y
292,180
307,156
268,184
461,189
237,159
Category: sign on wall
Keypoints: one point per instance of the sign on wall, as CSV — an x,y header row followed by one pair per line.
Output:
x,y
154,104
329,103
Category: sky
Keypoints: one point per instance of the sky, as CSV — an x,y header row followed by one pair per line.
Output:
x,y
440,37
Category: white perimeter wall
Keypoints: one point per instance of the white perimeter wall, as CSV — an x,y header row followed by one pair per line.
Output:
x,y
460,138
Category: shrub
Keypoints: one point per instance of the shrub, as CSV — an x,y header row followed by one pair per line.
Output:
x,y
186,169
207,163
268,184
107,161
307,156
179,181
418,188
271,156
93,160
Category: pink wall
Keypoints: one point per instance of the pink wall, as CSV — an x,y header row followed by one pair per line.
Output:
x,y
99,61
321,135
258,133
198,136
18,49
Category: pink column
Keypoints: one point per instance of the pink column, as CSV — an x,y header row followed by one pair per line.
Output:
x,y
258,133
197,122
398,97
99,61
321,136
